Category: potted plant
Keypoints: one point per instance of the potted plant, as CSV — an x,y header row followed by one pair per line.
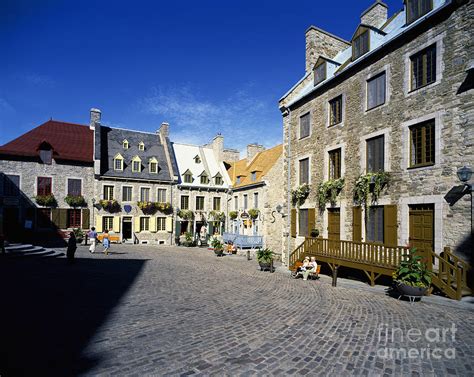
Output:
x,y
412,278
370,185
314,233
299,195
253,213
233,215
217,246
111,206
75,200
265,259
328,192
148,208
46,200
188,239
186,214
78,232
217,215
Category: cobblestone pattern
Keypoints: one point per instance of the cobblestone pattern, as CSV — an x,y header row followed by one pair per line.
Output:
x,y
222,316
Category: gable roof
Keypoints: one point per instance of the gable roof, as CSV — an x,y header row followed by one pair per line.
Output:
x,y
261,164
70,142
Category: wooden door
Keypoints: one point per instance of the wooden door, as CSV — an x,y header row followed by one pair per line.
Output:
x,y
422,227
334,223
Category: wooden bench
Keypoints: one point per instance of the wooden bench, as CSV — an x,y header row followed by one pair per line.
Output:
x,y
112,238
312,275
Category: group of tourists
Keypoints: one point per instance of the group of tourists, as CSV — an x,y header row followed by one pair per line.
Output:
x,y
309,266
94,239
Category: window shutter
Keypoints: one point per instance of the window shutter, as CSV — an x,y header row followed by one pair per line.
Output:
x,y
55,216
311,220
293,222
357,224
152,224
98,224
136,225
62,218
390,225
85,218
116,224
169,224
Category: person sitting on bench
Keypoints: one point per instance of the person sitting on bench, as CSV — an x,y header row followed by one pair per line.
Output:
x,y
310,269
299,270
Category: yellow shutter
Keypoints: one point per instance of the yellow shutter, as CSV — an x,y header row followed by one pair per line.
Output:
x,y
390,225
136,227
116,224
153,224
293,223
169,224
356,224
98,223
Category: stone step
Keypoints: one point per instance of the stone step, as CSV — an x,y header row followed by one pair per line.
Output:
x,y
39,253
17,247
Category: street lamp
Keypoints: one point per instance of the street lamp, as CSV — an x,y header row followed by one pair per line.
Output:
x,y
464,174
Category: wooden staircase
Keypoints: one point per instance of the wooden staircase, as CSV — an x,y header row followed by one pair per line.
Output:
x,y
449,271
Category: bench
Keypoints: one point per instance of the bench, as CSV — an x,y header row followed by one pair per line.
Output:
x,y
112,238
312,275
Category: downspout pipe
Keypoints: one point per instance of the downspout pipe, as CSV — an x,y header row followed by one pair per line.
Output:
x,y
287,113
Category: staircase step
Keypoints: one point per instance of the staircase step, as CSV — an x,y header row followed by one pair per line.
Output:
x,y
17,247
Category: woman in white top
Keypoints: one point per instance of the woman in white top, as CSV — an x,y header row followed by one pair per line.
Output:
x,y
311,268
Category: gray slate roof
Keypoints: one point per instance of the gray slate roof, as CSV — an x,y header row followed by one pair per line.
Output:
x,y
110,143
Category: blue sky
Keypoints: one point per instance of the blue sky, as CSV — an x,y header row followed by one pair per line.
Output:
x,y
203,66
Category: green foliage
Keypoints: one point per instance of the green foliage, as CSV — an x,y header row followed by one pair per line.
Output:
x,y
413,271
217,215
314,233
253,213
369,186
149,208
216,244
233,215
111,206
188,239
264,255
299,195
78,232
328,192
186,214
75,200
46,200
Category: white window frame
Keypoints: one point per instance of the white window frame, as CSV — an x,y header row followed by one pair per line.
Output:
x,y
150,193
161,220
131,199
166,194
103,190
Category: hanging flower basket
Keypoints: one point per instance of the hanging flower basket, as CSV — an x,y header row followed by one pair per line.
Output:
x,y
217,215
75,201
233,215
46,200
328,192
368,187
186,214
111,206
253,213
299,195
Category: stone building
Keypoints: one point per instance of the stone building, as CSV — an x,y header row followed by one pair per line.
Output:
x,y
46,182
258,190
134,176
397,98
202,190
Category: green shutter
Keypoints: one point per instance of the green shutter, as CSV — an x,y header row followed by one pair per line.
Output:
x,y
357,224
390,231
293,223
55,216
85,218
311,220
62,218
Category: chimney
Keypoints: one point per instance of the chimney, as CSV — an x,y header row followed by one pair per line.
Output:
x,y
95,118
164,130
321,43
218,147
375,15
252,150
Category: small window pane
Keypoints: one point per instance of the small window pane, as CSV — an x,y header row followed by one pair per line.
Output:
x,y
255,200
145,194
335,111
74,187
46,156
144,224
376,91
304,171
108,192
375,154
11,185
335,164
246,203
304,125
118,164
74,218
320,73
44,185
161,195
236,203
303,222
126,193
184,202
161,223
217,204
199,203
375,225
360,45
423,67
422,144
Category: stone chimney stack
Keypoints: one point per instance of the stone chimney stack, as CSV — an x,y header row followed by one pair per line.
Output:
x,y
95,118
376,15
164,130
252,150
218,147
321,43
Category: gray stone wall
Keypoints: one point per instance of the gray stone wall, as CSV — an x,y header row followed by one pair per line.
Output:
x,y
446,101
376,15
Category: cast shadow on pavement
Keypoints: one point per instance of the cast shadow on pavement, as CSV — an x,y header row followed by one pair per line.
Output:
x,y
51,310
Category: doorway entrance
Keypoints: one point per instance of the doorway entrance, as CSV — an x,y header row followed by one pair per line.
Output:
x,y
422,226
127,229
334,224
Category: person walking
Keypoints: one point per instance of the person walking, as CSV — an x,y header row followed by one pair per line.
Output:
x,y
93,238
71,247
106,242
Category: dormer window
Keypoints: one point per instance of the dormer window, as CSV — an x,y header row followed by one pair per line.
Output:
x,y
141,146
320,72
125,144
239,179
253,177
188,177
218,180
360,43
153,166
416,9
204,179
46,153
197,159
118,162
136,164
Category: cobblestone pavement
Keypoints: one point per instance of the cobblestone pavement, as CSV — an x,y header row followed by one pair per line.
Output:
x,y
186,312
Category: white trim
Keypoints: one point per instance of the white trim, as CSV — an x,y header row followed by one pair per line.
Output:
x,y
102,191
166,193
121,194
326,159
439,209
405,162
388,90
386,149
439,41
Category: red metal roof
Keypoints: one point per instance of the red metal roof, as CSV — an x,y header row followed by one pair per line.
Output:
x,y
69,141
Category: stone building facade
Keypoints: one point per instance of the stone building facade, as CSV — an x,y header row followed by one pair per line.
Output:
x,y
257,185
398,98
